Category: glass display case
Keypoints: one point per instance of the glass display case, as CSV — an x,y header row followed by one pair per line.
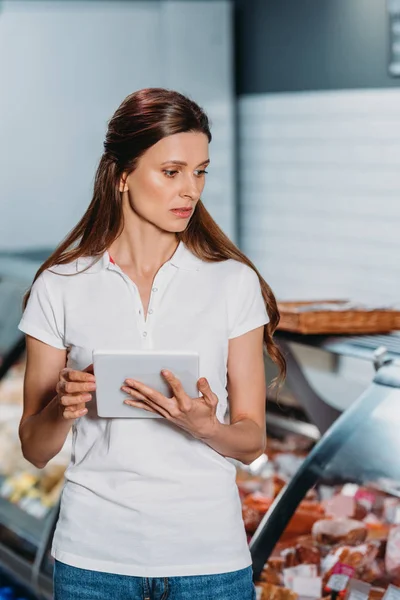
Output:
x,y
341,510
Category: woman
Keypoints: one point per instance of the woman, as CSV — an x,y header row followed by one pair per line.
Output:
x,y
150,508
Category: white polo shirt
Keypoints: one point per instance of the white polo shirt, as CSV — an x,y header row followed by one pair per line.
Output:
x,y
142,496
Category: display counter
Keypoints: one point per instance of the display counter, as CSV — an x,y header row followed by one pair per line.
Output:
x,y
340,513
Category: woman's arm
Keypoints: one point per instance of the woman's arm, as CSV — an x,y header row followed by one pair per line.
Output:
x,y
42,430
47,419
245,438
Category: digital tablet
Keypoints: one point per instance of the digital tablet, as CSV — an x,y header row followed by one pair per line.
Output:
x,y
112,367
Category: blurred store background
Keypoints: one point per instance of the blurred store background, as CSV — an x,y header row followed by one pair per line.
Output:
x,y
304,102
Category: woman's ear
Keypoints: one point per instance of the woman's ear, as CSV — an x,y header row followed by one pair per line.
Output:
x,y
123,186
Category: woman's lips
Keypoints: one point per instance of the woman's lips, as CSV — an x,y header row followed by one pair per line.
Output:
x,y
183,214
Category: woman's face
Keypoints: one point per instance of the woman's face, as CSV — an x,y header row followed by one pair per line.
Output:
x,y
170,175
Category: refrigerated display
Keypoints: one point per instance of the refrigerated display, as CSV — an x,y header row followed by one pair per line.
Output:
x,y
338,519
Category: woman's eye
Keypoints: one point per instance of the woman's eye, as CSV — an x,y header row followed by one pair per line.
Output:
x,y
170,173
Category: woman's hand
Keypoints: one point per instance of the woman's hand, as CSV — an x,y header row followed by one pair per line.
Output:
x,y
195,415
74,390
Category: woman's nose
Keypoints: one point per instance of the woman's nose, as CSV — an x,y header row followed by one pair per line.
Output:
x,y
191,188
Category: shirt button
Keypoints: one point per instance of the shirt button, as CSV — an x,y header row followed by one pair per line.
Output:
x,y
154,289
144,333
150,311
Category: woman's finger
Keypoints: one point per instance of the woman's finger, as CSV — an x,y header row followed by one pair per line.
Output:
x,y
74,391
206,391
74,414
143,405
183,400
75,387
147,405
68,374
149,395
133,393
68,400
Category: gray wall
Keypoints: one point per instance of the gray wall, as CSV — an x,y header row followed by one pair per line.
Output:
x,y
320,189
65,66
294,45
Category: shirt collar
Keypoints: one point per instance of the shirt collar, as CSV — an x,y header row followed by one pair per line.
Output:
x,y
182,258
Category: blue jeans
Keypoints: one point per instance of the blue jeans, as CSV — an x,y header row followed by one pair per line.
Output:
x,y
71,583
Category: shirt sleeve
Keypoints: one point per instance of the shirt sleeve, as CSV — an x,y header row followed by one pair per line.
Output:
x,y
39,318
249,310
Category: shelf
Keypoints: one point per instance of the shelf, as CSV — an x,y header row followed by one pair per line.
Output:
x,y
21,523
287,425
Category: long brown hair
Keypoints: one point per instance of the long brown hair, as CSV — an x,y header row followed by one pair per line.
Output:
x,y
144,118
